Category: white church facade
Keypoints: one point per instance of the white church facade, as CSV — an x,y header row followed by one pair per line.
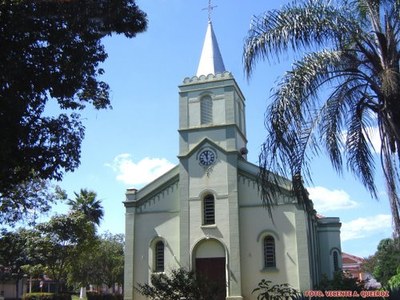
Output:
x,y
206,213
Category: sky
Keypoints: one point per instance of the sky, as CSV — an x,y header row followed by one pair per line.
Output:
x,y
137,140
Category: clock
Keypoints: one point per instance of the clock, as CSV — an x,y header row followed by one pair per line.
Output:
x,y
207,157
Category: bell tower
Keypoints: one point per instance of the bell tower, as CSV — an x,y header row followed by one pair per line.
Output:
x,y
211,104
212,141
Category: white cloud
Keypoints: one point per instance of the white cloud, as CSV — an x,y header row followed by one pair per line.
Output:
x,y
364,227
139,173
330,200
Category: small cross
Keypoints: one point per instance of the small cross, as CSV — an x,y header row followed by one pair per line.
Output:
x,y
210,8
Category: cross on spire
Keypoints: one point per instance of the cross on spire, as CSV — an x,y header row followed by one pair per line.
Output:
x,y
210,9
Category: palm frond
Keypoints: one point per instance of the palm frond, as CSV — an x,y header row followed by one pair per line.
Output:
x,y
292,130
345,89
359,156
331,126
295,26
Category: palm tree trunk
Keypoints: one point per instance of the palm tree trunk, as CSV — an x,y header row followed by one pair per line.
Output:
x,y
396,217
392,192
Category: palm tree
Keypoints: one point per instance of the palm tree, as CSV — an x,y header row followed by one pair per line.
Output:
x,y
86,203
344,88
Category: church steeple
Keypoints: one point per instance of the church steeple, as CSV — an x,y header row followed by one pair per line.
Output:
x,y
211,59
212,107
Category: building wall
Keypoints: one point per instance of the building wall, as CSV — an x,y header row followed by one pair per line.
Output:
x,y
170,208
160,218
287,226
8,289
329,244
157,218
221,182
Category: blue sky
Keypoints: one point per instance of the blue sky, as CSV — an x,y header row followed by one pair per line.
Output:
x,y
137,140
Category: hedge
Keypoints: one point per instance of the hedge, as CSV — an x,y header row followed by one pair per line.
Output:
x,y
46,296
101,296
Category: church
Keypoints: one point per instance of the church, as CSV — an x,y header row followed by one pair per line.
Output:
x,y
206,213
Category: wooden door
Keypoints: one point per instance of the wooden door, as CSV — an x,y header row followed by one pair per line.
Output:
x,y
212,270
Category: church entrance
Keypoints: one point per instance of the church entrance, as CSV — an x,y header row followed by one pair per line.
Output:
x,y
210,267
212,270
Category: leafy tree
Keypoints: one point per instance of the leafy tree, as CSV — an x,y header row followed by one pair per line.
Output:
x,y
58,241
346,85
179,284
87,203
27,201
82,270
14,255
341,281
51,50
100,263
384,263
268,291
394,281
110,260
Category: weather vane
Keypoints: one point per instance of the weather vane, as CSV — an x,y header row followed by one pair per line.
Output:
x,y
210,8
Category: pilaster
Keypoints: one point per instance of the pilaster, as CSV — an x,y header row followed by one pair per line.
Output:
x,y
129,279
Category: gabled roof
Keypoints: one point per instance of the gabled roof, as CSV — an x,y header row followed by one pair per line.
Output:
x,y
210,60
138,197
200,144
351,259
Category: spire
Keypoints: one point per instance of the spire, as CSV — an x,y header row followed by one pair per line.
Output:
x,y
211,59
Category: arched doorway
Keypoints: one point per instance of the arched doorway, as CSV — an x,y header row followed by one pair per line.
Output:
x,y
210,265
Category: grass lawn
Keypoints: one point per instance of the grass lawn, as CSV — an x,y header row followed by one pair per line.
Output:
x,y
76,297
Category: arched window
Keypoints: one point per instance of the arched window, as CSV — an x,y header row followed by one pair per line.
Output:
x,y
159,256
206,110
335,261
269,252
208,210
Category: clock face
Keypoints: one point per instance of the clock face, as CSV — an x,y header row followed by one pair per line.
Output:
x,y
207,157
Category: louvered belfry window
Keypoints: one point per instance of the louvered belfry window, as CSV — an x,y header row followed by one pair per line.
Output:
x,y
208,210
159,257
269,252
206,110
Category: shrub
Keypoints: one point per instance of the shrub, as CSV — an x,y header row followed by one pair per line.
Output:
x,y
341,281
102,296
179,284
267,291
46,296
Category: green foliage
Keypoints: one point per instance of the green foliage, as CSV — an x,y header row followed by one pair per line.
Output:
x,y
110,259
87,203
101,296
384,263
179,284
56,243
267,291
52,51
345,83
66,248
27,200
394,281
15,253
102,262
341,281
46,296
